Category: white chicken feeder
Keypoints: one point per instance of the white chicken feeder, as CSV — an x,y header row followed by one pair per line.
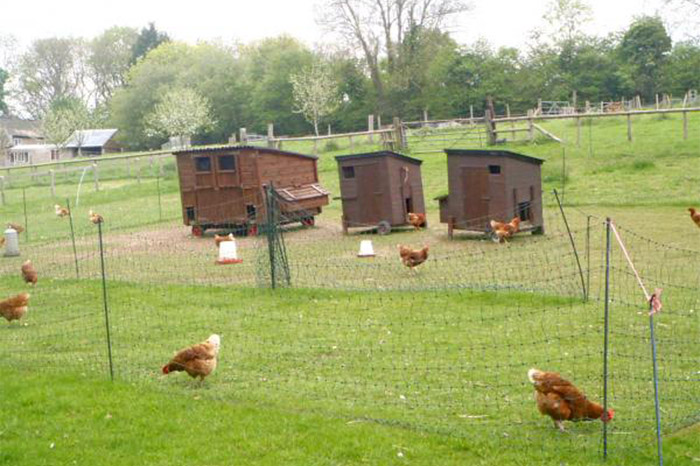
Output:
x,y
11,243
228,253
366,249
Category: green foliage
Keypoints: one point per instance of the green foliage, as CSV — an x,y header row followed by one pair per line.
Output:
x,y
110,59
315,93
65,116
148,39
4,75
180,112
645,46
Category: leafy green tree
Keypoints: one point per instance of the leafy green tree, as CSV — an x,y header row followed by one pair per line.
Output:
x,y
646,46
148,39
52,69
315,93
682,69
110,57
268,66
65,116
4,75
211,70
565,18
180,112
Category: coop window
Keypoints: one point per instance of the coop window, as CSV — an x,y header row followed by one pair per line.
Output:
x,y
189,211
348,172
202,164
227,163
524,210
495,169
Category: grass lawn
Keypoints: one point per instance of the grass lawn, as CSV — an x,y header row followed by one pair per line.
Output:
x,y
432,366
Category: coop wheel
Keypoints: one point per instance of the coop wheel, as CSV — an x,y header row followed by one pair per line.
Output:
x,y
197,231
308,221
252,230
383,227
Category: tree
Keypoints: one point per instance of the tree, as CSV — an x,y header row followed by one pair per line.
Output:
x,y
315,93
110,59
212,70
566,17
681,72
645,46
148,39
181,112
66,117
52,69
378,27
4,75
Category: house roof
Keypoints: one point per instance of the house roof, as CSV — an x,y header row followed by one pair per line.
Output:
x,y
497,153
21,128
381,153
196,150
90,138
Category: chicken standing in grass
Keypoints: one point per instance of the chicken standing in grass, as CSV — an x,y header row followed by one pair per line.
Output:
x,y
95,217
198,360
61,211
16,226
562,401
412,258
417,220
29,273
221,239
694,215
502,231
15,307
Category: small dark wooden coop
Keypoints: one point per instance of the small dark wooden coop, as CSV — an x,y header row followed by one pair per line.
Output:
x,y
379,189
223,187
487,185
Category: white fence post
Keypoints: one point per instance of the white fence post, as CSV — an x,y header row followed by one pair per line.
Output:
x,y
96,176
53,182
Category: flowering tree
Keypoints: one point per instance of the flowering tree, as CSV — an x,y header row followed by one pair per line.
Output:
x,y
315,94
181,112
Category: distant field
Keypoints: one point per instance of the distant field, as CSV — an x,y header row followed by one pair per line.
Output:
x,y
431,366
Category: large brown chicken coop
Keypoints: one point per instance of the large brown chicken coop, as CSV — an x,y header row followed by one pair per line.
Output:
x,y
223,187
379,189
485,185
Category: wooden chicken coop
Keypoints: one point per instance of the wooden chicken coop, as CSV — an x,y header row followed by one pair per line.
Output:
x,y
379,189
223,187
485,185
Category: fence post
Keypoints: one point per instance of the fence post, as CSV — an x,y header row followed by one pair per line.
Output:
x,y
606,334
352,143
471,115
138,170
578,131
685,126
588,257
530,126
657,407
26,219
53,182
2,190
72,238
379,122
243,136
96,176
573,246
370,127
128,167
629,127
160,207
270,235
270,135
656,96
104,299
399,135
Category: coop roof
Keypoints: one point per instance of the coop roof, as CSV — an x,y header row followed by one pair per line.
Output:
x,y
300,193
90,138
193,150
497,153
16,127
382,153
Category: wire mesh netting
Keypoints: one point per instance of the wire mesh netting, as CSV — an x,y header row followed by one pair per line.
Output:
x,y
443,348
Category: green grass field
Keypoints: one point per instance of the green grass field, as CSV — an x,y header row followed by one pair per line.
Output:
x,y
430,369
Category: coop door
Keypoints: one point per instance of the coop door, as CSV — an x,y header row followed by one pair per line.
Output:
x,y
369,193
475,189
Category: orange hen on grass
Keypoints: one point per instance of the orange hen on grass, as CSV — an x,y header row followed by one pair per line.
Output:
x,y
15,307
559,399
412,258
197,360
